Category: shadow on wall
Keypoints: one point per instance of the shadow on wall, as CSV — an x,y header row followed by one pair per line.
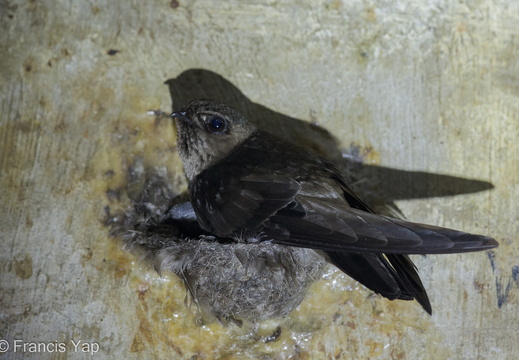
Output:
x,y
378,186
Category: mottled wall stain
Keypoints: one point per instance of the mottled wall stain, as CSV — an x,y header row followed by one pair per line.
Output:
x,y
22,266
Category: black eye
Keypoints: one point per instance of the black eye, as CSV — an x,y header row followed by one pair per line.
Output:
x,y
216,125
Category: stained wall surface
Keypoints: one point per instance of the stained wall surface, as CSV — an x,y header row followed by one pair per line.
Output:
x,y
424,88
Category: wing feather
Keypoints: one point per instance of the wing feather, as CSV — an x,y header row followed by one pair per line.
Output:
x,y
226,204
336,227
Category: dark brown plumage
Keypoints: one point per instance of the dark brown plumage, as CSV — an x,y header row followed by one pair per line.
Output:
x,y
251,186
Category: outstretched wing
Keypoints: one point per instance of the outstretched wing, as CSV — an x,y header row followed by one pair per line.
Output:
x,y
294,197
317,223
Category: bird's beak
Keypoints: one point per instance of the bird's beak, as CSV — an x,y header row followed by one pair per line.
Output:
x,y
182,116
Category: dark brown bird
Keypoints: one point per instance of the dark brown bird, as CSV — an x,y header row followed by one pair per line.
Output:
x,y
250,186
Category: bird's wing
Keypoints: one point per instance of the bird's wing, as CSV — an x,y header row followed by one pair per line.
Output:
x,y
312,214
333,226
392,276
225,204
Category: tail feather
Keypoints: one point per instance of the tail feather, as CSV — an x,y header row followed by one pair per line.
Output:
x,y
392,276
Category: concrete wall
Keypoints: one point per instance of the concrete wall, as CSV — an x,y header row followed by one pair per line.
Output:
x,y
429,87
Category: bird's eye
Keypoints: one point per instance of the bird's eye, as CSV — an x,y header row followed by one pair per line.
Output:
x,y
216,125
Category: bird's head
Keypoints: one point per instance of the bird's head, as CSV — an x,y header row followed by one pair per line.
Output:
x,y
207,132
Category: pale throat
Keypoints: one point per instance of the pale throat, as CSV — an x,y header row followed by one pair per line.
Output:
x,y
194,160
199,153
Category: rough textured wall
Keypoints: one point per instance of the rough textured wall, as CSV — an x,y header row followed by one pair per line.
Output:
x,y
421,87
